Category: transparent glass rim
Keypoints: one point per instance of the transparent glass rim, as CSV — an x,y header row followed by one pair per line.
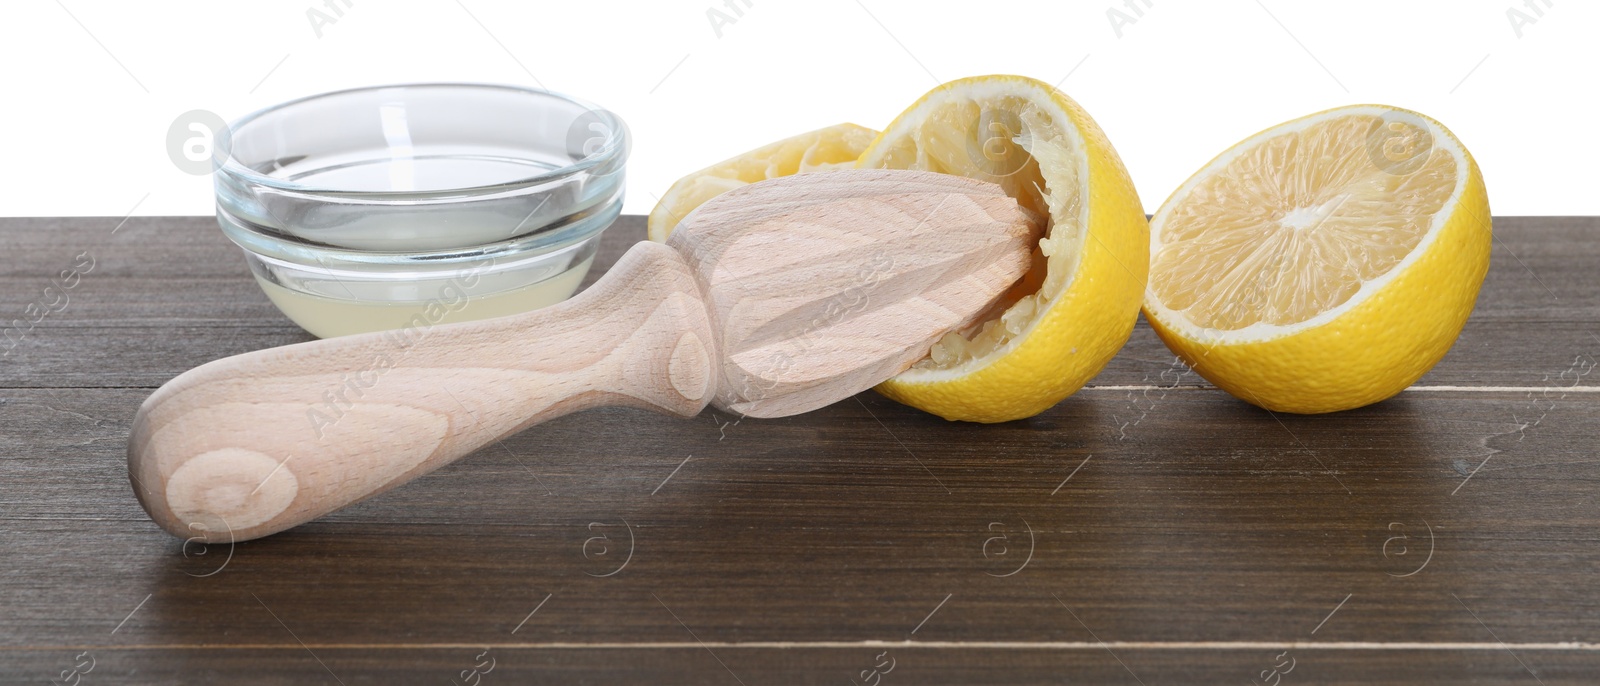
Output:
x,y
613,149
524,247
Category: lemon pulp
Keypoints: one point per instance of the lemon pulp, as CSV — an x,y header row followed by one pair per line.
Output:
x,y
1064,320
1015,141
1323,264
1293,227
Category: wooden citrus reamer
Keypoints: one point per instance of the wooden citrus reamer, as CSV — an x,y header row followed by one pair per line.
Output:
x,y
770,300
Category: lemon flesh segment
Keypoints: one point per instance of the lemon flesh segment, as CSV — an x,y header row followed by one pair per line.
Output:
x,y
1324,264
835,147
1060,324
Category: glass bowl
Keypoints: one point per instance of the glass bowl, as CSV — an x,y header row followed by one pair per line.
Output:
x,y
394,207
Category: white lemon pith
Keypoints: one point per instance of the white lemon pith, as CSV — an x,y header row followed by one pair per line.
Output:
x,y
1325,263
835,147
1068,317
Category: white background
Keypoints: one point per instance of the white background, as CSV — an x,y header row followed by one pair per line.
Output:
x,y
91,86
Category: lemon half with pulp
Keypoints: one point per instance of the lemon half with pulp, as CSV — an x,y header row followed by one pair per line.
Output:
x,y
1068,317
1325,263
835,147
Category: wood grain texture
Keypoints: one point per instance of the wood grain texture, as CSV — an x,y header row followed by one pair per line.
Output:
x,y
780,297
693,664
143,316
821,286
253,444
1199,537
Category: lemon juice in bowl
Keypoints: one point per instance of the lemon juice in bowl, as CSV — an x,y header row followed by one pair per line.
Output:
x,y
401,206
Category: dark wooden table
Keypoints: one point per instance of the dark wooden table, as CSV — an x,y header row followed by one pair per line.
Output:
x,y
1148,530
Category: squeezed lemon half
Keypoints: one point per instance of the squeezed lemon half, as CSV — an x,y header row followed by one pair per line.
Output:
x,y
1325,263
834,147
1068,317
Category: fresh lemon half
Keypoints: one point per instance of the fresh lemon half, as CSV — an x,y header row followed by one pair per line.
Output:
x,y
1068,317
834,147
1325,263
